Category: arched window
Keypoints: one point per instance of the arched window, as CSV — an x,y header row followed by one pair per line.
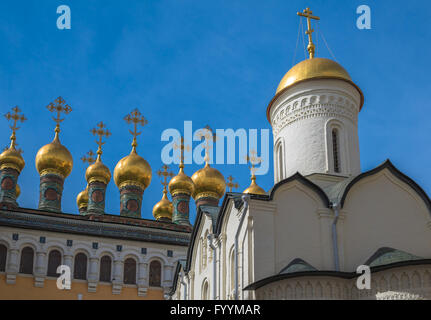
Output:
x,y
336,150
129,271
205,291
80,267
105,269
3,257
27,257
205,250
54,260
155,274
280,162
232,270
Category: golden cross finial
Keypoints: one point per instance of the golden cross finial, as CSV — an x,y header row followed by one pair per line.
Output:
x,y
15,117
210,137
100,132
182,147
230,184
59,106
90,159
254,160
136,118
165,174
308,14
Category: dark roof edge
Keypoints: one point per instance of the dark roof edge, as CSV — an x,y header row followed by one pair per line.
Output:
x,y
338,274
388,165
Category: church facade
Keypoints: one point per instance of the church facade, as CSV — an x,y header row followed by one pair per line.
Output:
x,y
323,218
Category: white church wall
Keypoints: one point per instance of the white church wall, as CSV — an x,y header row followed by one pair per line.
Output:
x,y
299,226
382,211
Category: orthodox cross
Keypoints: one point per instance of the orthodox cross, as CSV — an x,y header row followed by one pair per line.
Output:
x,y
100,132
182,147
165,174
210,137
307,13
136,118
59,106
15,117
230,184
254,160
90,159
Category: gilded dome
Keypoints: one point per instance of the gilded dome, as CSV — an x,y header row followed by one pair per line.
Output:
x,y
17,190
82,199
181,183
209,182
98,172
316,68
54,158
11,158
313,69
132,170
163,209
254,188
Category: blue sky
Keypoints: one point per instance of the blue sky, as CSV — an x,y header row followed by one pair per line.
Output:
x,y
211,62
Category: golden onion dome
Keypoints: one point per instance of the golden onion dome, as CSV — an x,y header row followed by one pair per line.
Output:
x,y
254,188
316,68
312,69
132,170
98,172
82,199
17,190
181,183
54,158
11,158
164,208
209,182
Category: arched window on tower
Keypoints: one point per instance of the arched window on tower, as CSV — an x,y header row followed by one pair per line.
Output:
x,y
280,162
105,269
155,273
54,260
3,257
80,267
129,271
336,150
26,263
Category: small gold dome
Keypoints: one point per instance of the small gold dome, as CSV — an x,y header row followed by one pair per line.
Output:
x,y
54,158
98,172
82,199
181,183
316,68
11,158
209,182
132,170
163,209
312,69
17,190
254,188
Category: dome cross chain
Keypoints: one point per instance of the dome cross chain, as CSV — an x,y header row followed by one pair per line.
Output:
x,y
307,13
